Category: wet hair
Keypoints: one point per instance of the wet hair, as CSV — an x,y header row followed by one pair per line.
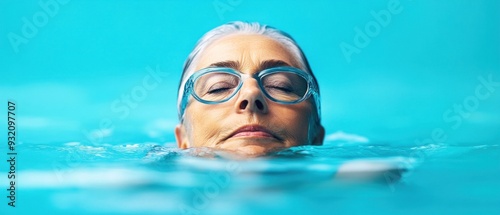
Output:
x,y
239,27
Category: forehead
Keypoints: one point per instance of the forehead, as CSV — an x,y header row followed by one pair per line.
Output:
x,y
247,49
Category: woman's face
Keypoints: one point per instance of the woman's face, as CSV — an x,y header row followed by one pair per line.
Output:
x,y
248,123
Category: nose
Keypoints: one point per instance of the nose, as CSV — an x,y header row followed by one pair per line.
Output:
x,y
251,98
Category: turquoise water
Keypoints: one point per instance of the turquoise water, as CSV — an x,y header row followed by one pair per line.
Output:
x,y
90,140
146,178
79,77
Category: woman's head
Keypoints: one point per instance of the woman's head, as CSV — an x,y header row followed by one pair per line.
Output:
x,y
249,110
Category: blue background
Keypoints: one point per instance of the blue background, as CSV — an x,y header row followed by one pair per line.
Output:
x,y
87,55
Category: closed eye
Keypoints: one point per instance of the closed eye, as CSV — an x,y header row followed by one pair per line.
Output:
x,y
218,90
285,89
220,87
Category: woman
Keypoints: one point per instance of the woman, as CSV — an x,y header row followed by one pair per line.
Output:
x,y
248,88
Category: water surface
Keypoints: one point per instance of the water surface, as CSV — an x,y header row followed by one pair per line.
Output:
x,y
147,178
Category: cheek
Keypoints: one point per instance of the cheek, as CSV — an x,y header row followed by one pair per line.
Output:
x,y
204,124
296,120
292,118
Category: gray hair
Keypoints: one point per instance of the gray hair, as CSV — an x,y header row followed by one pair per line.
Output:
x,y
239,27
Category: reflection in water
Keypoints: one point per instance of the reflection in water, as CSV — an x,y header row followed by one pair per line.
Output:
x,y
149,178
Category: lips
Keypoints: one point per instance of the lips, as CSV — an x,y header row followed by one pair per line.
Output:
x,y
253,131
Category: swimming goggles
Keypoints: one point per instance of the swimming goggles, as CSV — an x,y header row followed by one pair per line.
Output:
x,y
283,85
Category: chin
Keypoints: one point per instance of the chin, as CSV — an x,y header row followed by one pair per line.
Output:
x,y
253,149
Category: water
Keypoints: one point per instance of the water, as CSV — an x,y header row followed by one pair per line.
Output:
x,y
147,178
69,76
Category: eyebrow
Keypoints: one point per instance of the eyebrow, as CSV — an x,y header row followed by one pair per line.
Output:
x,y
271,63
262,66
229,63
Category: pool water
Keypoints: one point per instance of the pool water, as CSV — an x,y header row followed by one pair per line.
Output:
x,y
148,178
77,71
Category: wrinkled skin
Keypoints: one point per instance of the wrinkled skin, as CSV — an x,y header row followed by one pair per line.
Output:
x,y
270,126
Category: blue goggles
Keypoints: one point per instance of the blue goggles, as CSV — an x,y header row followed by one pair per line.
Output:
x,y
284,85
